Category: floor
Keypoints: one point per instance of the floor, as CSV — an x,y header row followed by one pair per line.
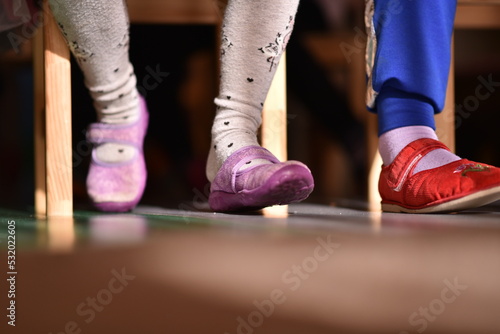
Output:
x,y
304,268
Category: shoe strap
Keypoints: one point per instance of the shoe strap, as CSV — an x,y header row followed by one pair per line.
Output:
x,y
237,159
130,134
406,161
266,155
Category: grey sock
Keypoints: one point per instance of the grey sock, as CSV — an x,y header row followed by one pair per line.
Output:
x,y
97,33
254,36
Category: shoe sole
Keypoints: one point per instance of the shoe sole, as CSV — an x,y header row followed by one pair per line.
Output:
x,y
471,201
288,188
115,206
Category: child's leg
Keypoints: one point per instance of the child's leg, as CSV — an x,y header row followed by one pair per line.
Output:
x,y
410,55
408,59
254,36
97,33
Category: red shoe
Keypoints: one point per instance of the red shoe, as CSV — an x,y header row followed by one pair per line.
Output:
x,y
459,185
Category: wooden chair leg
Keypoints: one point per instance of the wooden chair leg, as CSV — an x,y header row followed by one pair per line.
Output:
x,y
39,125
273,131
274,127
374,163
58,152
445,121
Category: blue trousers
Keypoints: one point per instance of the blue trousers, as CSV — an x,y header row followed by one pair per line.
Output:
x,y
408,60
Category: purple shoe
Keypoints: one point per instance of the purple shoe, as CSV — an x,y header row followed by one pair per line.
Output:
x,y
258,186
118,187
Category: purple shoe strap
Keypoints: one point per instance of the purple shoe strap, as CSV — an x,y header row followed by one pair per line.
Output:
x,y
130,134
127,134
236,169
101,163
239,158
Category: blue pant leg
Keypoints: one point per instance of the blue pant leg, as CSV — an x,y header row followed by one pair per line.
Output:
x,y
408,60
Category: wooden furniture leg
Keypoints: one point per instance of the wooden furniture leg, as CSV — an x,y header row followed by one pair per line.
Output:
x,y
274,130
445,121
39,126
55,141
274,127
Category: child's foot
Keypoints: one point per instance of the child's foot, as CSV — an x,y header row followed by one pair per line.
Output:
x,y
455,186
258,186
115,183
392,143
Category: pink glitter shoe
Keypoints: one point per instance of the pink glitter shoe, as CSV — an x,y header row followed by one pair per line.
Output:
x,y
259,186
118,187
